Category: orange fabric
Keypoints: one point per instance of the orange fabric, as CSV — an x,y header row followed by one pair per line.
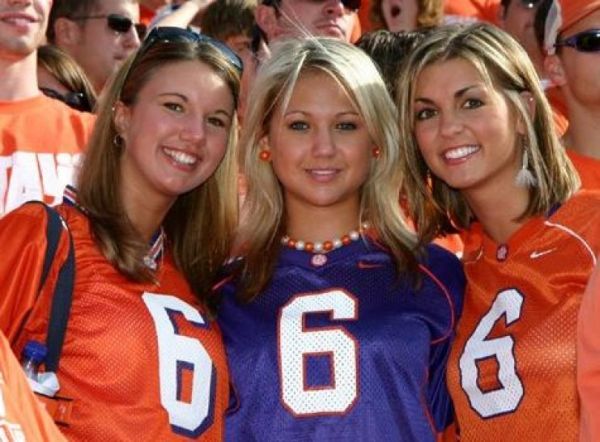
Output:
x,y
21,415
588,169
146,14
356,29
41,141
471,10
575,10
511,372
588,360
132,351
363,15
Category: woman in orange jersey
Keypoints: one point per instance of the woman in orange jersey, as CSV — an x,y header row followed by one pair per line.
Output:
x,y
150,224
476,123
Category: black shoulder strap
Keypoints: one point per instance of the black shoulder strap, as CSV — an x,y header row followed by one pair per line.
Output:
x,y
63,291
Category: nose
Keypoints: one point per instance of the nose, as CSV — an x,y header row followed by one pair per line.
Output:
x,y
335,8
130,39
450,123
323,143
193,130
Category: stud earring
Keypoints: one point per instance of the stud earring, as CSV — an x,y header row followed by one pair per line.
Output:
x,y
264,155
376,152
118,141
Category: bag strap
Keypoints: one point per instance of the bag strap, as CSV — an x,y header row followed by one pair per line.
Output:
x,y
63,291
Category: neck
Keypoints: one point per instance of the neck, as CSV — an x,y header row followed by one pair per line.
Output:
x,y
497,211
583,135
317,224
146,214
18,78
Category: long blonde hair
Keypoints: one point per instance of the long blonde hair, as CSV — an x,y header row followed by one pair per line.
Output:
x,y
354,71
201,223
504,65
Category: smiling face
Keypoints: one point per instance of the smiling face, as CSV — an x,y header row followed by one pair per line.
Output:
x,y
22,26
465,129
400,15
176,132
320,147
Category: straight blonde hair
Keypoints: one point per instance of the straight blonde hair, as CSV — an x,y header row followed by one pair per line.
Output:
x,y
264,222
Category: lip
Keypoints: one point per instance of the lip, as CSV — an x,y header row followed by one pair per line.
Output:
x,y
323,174
330,27
12,16
459,154
181,159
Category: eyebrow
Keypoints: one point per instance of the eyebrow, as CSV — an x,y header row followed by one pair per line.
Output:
x,y
459,93
185,99
339,114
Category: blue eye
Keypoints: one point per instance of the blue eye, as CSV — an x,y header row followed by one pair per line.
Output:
x,y
298,125
346,126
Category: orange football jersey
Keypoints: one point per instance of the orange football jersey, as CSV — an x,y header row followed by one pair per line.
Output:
x,y
588,169
22,417
140,360
588,360
511,371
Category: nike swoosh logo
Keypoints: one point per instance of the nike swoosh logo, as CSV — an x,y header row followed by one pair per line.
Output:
x,y
366,265
535,254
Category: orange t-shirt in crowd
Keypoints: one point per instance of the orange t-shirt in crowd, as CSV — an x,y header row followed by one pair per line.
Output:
x,y
22,417
146,14
457,11
42,140
140,361
511,372
588,169
588,360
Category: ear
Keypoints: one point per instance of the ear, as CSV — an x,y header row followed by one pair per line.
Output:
x,y
554,69
122,118
67,32
529,102
267,20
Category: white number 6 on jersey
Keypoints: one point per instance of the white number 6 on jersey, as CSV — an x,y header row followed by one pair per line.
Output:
x,y
507,398
177,352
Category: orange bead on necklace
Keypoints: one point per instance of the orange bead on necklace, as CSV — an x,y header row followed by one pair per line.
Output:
x,y
322,247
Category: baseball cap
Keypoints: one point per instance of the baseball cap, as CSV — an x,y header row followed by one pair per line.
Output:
x,y
562,15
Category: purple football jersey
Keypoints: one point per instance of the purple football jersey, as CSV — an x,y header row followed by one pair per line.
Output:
x,y
343,350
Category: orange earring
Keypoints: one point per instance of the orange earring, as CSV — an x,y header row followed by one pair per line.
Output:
x,y
376,152
265,155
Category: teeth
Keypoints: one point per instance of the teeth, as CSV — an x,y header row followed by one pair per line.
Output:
x,y
181,157
460,152
322,172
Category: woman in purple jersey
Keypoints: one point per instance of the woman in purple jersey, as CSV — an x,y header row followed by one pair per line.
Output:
x,y
336,326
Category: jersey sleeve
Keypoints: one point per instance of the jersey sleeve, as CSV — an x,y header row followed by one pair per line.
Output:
x,y
588,360
446,276
23,239
21,414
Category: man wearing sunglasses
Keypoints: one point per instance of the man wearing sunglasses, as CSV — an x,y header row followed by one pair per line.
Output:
x,y
98,34
41,138
571,39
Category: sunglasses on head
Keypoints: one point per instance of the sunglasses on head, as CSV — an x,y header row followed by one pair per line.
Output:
x,y
76,100
166,34
353,5
586,41
117,22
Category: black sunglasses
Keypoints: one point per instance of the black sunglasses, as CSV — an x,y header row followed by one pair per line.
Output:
x,y
586,41
353,5
117,22
166,34
76,100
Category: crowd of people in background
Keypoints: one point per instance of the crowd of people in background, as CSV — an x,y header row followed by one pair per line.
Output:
x,y
300,220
